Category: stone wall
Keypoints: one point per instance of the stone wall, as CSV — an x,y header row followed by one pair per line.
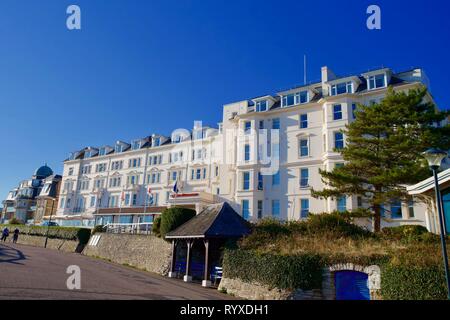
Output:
x,y
145,252
256,291
38,241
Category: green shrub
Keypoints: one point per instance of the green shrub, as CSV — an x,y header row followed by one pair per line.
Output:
x,y
16,221
156,226
408,282
172,218
67,233
406,232
336,224
276,271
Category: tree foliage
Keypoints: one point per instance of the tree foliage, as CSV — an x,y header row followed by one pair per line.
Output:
x,y
172,218
383,149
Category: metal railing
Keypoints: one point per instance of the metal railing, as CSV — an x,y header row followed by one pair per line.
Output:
x,y
131,228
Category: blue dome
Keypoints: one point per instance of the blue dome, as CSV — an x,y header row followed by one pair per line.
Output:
x,y
43,172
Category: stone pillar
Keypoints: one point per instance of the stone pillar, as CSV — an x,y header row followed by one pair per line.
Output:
x,y
206,282
172,272
188,277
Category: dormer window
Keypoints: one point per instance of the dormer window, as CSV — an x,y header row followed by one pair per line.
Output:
x,y
295,98
156,142
177,139
118,148
261,106
377,81
102,152
136,145
341,88
87,154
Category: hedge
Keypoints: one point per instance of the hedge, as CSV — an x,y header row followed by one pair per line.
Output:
x,y
68,233
413,283
276,271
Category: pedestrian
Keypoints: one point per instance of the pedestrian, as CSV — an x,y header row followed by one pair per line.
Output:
x,y
5,234
16,235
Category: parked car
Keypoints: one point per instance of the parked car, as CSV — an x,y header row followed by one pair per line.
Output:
x,y
51,224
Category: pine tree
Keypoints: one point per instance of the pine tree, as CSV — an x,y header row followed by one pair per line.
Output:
x,y
383,150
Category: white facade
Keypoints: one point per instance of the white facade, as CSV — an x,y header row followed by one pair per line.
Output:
x,y
225,164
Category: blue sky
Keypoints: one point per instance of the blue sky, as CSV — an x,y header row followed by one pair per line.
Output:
x,y
140,67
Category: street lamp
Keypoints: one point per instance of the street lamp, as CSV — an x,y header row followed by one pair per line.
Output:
x,y
434,158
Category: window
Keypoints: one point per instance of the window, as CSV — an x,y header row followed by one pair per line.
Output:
x,y
341,203
261,106
247,152
127,199
260,209
136,145
112,201
260,181
99,183
246,180
174,175
261,124
118,148
70,171
276,208
156,142
359,202
276,123
102,152
101,167
86,169
133,180
411,209
337,112
245,209
304,208
303,148
338,140
304,178
293,99
115,182
134,200
340,88
377,81
68,203
247,127
303,121
217,171
116,165
134,163
61,203
396,209
353,110
339,165
276,179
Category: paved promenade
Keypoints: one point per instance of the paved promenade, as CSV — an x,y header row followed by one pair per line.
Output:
x,y
37,273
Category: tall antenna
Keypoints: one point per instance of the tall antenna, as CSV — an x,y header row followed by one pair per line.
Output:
x,y
304,69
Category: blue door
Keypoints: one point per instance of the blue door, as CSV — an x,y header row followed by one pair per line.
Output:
x,y
446,202
351,285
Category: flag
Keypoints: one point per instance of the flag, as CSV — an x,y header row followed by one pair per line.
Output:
x,y
149,191
175,187
122,197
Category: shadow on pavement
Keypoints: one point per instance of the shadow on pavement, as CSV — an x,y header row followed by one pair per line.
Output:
x,y
11,255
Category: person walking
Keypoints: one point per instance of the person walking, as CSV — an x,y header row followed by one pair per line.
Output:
x,y
5,234
16,235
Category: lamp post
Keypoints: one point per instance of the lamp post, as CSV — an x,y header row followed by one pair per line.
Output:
x,y
434,158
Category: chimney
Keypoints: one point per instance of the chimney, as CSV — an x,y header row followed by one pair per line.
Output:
x,y
327,75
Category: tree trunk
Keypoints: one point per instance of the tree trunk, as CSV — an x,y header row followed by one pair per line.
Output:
x,y
376,222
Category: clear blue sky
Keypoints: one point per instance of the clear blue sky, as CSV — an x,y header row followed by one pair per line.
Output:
x,y
142,67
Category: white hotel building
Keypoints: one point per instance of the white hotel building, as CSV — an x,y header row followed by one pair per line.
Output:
x,y
132,182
